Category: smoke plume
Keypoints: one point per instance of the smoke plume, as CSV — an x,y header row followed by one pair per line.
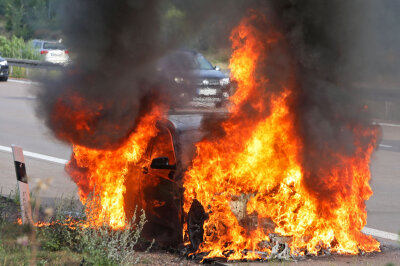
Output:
x,y
329,112
111,82
320,40
115,49
117,46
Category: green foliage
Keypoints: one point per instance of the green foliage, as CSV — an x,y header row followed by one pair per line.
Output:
x,y
18,72
28,18
16,48
116,246
100,245
173,23
69,240
58,235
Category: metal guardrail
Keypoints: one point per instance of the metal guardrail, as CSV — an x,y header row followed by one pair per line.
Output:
x,y
33,64
366,93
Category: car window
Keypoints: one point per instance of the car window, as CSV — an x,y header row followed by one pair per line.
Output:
x,y
163,146
185,60
202,62
53,46
187,141
37,45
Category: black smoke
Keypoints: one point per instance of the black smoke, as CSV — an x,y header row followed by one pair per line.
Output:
x,y
114,45
323,37
115,48
117,45
325,46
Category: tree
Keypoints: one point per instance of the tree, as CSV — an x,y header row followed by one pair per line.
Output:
x,y
31,18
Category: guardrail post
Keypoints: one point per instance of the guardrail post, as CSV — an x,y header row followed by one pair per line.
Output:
x,y
24,196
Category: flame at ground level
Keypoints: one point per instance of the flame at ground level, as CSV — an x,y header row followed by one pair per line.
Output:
x,y
253,174
100,174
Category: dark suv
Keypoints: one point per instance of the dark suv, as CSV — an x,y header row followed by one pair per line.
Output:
x,y
194,80
3,69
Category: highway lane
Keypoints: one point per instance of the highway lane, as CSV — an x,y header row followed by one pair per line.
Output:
x,y
19,125
384,206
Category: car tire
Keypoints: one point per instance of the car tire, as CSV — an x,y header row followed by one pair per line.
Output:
x,y
4,79
195,222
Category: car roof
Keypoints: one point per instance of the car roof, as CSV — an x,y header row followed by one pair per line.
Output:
x,y
184,51
186,122
37,40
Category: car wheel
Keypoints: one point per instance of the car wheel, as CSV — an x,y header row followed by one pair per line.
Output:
x,y
195,222
4,79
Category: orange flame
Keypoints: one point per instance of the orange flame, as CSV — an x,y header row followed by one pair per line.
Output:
x,y
76,114
103,172
253,174
70,222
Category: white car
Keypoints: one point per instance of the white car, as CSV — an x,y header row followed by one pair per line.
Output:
x,y
53,51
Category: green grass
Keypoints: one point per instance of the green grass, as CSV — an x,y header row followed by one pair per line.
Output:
x,y
60,244
33,73
18,72
16,248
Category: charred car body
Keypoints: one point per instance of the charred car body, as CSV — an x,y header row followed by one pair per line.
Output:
x,y
156,185
194,81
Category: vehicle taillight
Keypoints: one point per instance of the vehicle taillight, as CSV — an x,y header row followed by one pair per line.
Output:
x,y
44,52
66,51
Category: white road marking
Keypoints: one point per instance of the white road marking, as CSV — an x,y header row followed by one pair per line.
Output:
x,y
385,146
37,156
365,230
24,81
386,124
379,233
31,97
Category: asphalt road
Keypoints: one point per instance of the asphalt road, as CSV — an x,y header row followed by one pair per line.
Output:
x,y
384,206
19,125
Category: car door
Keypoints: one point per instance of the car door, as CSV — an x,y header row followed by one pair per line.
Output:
x,y
156,192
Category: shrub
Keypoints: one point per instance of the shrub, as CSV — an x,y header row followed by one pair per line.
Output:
x,y
104,244
16,48
100,245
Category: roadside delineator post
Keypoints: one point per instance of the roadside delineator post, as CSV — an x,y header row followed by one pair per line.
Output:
x,y
22,179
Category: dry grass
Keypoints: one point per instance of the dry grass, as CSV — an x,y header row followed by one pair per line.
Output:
x,y
60,244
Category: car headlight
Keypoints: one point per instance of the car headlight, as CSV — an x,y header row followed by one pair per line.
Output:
x,y
3,63
179,80
224,81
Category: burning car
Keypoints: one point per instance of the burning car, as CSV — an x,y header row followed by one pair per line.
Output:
x,y
153,181
254,181
158,176
195,81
